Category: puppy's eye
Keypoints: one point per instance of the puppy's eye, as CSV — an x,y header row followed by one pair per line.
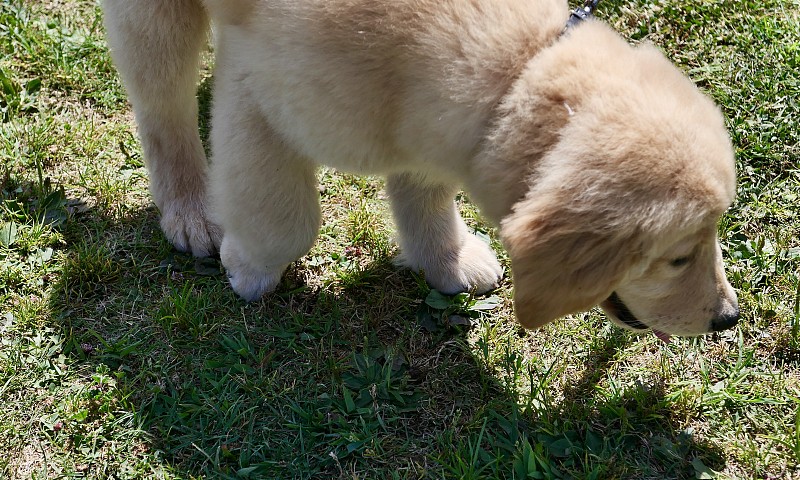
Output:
x,y
680,261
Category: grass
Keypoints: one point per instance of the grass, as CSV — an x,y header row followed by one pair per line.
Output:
x,y
120,358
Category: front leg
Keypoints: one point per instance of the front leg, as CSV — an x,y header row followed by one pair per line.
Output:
x,y
264,194
435,240
156,46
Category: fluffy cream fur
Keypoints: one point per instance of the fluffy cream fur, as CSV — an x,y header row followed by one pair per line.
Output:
x,y
604,167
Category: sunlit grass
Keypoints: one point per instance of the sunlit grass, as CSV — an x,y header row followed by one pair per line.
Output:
x,y
120,358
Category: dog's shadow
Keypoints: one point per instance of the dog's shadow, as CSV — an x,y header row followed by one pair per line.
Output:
x,y
319,380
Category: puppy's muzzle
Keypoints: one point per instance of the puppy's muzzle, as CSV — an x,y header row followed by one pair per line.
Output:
x,y
725,321
614,306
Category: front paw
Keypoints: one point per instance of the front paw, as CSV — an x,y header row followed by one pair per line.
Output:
x,y
249,280
185,224
252,284
473,268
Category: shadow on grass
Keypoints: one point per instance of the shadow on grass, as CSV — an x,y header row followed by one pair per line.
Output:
x,y
329,381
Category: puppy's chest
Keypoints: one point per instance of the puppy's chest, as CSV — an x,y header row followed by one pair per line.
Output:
x,y
360,101
362,120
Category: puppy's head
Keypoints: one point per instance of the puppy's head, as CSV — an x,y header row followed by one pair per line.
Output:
x,y
622,209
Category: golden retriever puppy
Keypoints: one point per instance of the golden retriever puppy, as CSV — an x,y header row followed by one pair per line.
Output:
x,y
604,167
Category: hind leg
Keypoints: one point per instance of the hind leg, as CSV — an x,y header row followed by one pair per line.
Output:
x,y
435,240
264,194
156,47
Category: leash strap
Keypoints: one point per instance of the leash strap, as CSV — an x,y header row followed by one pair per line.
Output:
x,y
581,13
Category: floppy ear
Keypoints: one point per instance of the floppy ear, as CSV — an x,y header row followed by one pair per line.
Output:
x,y
563,260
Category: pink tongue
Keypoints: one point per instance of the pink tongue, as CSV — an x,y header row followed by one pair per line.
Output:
x,y
665,337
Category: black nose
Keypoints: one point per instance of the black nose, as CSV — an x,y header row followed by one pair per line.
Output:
x,y
725,321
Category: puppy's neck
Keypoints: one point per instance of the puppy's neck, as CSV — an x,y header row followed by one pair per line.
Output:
x,y
530,119
526,126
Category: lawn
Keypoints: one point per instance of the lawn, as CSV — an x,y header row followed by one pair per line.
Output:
x,y
122,358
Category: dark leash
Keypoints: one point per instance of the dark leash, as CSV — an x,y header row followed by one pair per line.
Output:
x,y
581,13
